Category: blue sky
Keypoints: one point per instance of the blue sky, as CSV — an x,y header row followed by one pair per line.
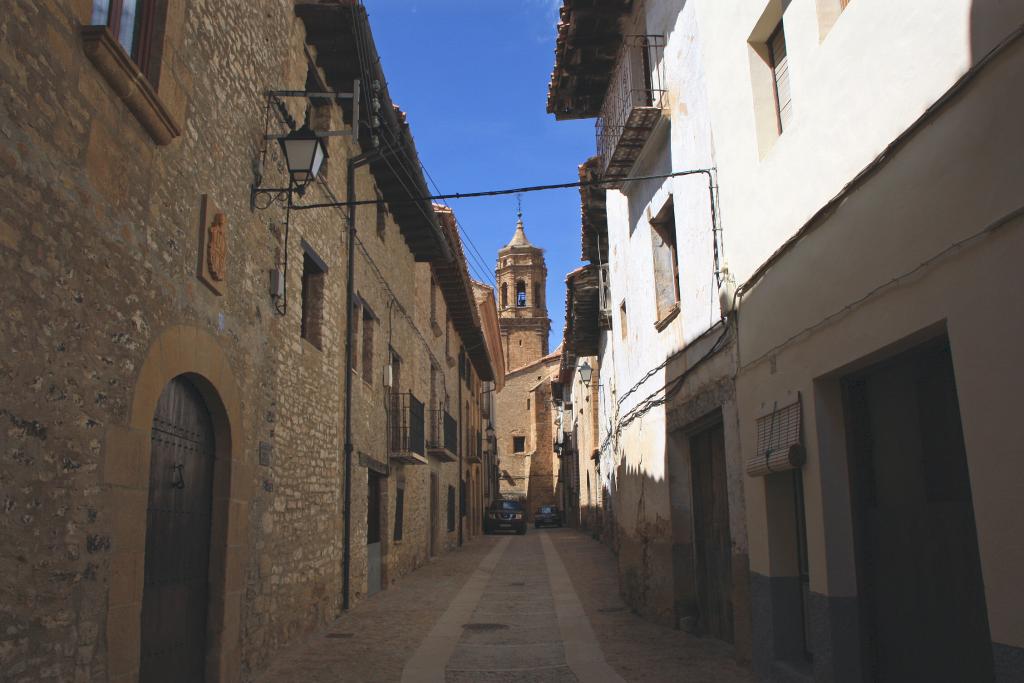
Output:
x,y
472,75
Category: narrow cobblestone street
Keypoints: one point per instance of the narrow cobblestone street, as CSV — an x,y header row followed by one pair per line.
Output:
x,y
505,609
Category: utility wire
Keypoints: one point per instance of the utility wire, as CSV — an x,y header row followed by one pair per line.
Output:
x,y
514,190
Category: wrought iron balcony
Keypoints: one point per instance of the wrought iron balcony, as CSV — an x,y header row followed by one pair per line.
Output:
x,y
475,449
405,429
632,105
443,441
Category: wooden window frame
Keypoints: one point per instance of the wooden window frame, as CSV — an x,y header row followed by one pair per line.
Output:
x,y
369,319
142,47
399,512
314,276
382,216
663,227
773,60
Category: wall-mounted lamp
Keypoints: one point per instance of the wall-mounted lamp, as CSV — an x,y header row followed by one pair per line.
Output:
x,y
586,372
489,431
304,153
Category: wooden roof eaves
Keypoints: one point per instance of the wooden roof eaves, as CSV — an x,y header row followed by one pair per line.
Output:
x,y
332,28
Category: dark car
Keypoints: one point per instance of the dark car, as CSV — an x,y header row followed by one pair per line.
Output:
x,y
505,515
547,515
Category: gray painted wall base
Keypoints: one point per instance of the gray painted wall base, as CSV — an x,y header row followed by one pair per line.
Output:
x,y
834,639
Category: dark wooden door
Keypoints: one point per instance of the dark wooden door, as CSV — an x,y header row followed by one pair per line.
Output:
x,y
373,535
712,540
918,565
434,504
174,601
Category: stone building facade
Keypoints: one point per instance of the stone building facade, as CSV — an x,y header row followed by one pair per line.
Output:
x,y
529,470
147,294
826,405
529,467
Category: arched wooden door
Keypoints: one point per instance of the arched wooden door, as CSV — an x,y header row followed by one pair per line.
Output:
x,y
174,601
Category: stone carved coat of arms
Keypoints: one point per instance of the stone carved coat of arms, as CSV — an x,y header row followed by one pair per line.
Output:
x,y
213,246
217,247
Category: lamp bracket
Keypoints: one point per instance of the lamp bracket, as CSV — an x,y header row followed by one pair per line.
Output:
x,y
319,134
308,94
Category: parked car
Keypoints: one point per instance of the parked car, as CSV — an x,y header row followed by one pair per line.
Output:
x,y
505,515
547,515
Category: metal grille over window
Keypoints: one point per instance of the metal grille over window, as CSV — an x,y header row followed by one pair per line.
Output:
x,y
779,446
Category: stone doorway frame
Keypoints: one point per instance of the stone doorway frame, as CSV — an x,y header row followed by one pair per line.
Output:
x,y
190,351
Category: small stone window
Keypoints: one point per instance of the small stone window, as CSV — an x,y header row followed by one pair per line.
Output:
x,y
518,444
368,328
382,217
125,41
666,262
451,508
779,62
399,510
314,276
433,300
132,24
521,294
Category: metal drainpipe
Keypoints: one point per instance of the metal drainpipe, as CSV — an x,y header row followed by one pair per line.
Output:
x,y
350,196
461,446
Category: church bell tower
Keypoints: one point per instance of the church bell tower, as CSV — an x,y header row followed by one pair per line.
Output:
x,y
522,310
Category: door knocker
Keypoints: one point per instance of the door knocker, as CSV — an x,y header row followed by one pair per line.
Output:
x,y
179,476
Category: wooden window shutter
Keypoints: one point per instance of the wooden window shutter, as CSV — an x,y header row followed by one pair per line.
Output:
x,y
779,443
780,73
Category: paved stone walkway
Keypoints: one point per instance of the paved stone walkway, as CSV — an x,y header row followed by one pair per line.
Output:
x,y
540,608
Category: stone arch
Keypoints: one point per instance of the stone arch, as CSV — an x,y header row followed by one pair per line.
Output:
x,y
521,301
196,354
504,295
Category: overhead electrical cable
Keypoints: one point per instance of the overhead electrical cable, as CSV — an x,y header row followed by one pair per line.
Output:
x,y
514,190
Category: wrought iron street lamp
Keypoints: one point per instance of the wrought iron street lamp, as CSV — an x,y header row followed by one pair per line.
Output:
x,y
304,153
586,372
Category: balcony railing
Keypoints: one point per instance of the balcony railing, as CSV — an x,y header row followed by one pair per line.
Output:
x,y
443,440
405,430
632,105
476,448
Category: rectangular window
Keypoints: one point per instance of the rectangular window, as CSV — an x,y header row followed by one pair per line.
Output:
x,y
399,512
666,261
779,63
447,346
357,314
518,444
382,215
131,22
433,300
313,279
373,508
396,372
622,319
368,325
451,508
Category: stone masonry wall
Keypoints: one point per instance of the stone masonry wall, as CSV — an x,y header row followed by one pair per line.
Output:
x,y
524,411
99,238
